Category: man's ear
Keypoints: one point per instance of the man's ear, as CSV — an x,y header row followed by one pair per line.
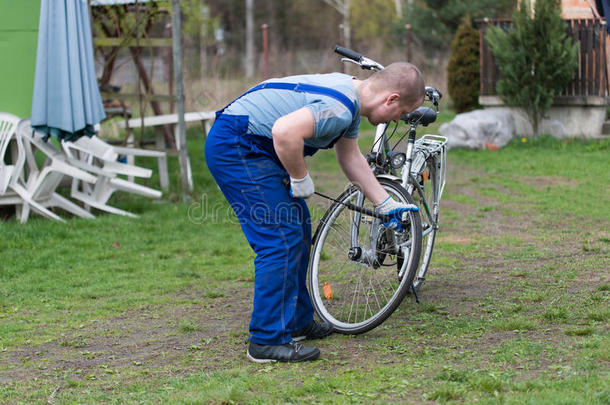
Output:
x,y
393,98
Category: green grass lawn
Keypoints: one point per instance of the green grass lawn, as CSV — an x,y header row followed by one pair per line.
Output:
x,y
156,309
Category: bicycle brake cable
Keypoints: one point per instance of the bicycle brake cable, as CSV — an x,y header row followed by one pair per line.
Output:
x,y
403,136
389,137
356,208
362,210
376,142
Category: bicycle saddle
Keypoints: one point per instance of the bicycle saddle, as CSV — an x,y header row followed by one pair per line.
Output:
x,y
422,115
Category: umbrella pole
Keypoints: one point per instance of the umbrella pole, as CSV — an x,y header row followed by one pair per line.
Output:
x,y
185,165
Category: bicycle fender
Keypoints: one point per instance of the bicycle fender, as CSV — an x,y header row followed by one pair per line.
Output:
x,y
389,177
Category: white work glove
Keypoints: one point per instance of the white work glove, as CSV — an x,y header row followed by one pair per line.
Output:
x,y
301,188
396,210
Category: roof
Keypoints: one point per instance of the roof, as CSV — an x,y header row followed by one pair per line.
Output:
x,y
116,2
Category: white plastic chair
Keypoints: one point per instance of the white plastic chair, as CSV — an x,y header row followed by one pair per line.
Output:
x,y
8,124
42,182
12,190
101,158
109,154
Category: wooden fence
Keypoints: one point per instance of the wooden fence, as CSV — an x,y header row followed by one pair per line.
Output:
x,y
591,77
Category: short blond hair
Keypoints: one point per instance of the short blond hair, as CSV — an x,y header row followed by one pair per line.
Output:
x,y
402,78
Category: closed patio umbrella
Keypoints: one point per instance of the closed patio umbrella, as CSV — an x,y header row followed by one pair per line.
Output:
x,y
66,102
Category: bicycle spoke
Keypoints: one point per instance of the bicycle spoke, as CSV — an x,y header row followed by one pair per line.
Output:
x,y
364,289
355,297
379,306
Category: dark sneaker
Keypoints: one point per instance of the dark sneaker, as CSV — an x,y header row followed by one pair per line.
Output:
x,y
314,330
291,352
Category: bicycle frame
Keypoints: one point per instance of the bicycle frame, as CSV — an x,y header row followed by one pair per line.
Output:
x,y
417,153
383,264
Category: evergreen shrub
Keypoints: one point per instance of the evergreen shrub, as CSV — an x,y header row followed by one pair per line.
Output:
x,y
535,57
463,69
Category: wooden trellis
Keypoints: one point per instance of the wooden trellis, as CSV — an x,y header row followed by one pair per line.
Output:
x,y
113,34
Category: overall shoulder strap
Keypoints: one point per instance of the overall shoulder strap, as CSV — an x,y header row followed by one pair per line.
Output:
x,y
304,88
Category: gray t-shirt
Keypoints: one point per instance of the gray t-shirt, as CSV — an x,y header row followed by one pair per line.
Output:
x,y
331,117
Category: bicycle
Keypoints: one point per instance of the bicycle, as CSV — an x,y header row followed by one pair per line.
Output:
x,y
360,271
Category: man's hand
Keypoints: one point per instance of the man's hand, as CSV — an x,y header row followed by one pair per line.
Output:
x,y
301,188
396,211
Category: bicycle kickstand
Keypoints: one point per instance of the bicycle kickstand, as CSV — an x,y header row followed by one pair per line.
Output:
x,y
415,293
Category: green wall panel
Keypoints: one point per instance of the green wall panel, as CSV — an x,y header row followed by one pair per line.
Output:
x,y
18,39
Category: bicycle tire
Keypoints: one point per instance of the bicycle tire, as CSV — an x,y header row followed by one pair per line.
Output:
x,y
427,179
363,293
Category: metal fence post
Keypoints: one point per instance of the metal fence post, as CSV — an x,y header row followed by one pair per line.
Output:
x,y
408,41
265,28
185,165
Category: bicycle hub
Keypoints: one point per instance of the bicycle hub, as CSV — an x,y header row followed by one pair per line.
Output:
x,y
355,253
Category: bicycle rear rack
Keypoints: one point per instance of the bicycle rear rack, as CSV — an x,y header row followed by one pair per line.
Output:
x,y
426,146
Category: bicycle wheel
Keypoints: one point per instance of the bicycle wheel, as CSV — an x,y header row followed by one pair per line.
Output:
x,y
426,197
359,271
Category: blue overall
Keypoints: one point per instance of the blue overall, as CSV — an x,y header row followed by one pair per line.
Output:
x,y
276,225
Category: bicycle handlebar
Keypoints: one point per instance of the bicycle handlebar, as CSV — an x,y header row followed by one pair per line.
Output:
x,y
422,115
433,95
358,59
348,53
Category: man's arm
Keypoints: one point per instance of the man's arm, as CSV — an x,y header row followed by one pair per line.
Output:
x,y
357,170
289,133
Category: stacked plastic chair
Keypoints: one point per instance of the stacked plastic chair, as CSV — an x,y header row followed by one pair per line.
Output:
x,y
43,181
90,165
101,158
13,189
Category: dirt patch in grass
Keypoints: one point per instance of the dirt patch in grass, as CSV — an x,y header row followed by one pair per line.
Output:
x,y
453,238
550,181
149,338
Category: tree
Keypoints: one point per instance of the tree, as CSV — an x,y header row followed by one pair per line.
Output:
x,y
249,38
343,7
535,57
197,28
398,7
434,22
463,68
374,19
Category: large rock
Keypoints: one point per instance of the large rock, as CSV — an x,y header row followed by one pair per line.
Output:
x,y
568,117
549,124
479,129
